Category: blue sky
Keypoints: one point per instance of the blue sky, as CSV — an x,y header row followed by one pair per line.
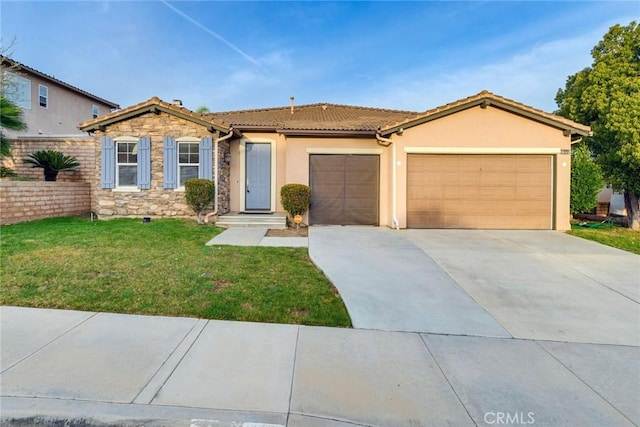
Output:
x,y
241,55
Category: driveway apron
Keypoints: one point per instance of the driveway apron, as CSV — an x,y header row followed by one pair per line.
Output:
x,y
543,285
388,283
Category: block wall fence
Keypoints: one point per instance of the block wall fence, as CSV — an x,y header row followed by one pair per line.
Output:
x,y
70,195
28,200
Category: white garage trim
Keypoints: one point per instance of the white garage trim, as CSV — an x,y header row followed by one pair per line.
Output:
x,y
344,150
480,150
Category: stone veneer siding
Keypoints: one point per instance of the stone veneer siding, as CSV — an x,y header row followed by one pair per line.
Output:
x,y
156,201
28,200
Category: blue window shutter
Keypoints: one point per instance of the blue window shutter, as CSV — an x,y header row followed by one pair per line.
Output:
x,y
170,162
108,163
206,163
144,163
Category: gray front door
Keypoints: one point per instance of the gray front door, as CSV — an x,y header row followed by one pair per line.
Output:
x,y
258,178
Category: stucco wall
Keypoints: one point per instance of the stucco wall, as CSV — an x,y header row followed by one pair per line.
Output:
x,y
489,128
64,111
25,201
236,169
292,163
156,201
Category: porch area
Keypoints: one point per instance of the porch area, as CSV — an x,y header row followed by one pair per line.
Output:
x,y
273,220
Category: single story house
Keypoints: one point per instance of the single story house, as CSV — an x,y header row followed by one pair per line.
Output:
x,y
480,162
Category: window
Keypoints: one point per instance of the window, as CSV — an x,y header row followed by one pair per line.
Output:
x,y
43,96
17,90
127,163
94,111
188,161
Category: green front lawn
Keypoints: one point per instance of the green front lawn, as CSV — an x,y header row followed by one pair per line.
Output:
x,y
618,237
160,268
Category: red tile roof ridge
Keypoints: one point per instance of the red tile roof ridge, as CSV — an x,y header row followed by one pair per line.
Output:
x,y
316,104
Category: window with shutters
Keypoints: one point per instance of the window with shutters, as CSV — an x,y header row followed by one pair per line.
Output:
x,y
126,162
185,158
188,160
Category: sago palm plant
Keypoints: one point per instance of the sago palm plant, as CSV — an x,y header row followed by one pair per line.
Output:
x,y
52,161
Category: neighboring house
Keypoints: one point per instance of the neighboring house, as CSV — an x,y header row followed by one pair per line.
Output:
x,y
480,162
51,107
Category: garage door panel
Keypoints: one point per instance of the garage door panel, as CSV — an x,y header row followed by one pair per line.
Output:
x,y
479,191
344,189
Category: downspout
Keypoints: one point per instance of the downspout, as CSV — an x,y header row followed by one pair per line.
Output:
x,y
394,210
216,175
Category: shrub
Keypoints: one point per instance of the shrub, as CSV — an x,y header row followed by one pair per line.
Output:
x,y
6,172
295,198
52,161
586,180
199,193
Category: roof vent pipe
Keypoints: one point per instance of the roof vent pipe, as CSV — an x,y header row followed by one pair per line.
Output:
x,y
292,100
177,102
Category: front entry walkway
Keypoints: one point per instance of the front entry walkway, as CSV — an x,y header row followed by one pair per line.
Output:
x,y
255,236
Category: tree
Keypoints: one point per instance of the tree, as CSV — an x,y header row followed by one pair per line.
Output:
x,y
10,113
586,180
203,109
10,118
606,96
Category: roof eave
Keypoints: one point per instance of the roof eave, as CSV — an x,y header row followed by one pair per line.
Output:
x,y
573,128
44,76
100,125
356,133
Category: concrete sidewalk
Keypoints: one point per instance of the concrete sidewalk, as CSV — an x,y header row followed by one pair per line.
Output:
x,y
90,368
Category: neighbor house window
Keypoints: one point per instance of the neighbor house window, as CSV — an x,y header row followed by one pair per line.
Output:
x,y
127,163
17,89
94,111
43,96
188,161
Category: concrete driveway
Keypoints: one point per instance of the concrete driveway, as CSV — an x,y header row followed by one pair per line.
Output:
x,y
541,285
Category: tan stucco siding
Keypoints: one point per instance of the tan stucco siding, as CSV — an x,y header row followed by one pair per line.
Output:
x,y
293,163
493,131
278,142
64,111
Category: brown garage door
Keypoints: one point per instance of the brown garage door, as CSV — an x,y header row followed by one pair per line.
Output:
x,y
344,189
479,191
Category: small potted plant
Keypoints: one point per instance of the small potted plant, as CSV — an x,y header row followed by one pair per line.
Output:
x,y
52,161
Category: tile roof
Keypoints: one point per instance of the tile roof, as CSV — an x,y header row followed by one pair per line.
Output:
x,y
312,117
152,104
19,66
332,118
488,98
